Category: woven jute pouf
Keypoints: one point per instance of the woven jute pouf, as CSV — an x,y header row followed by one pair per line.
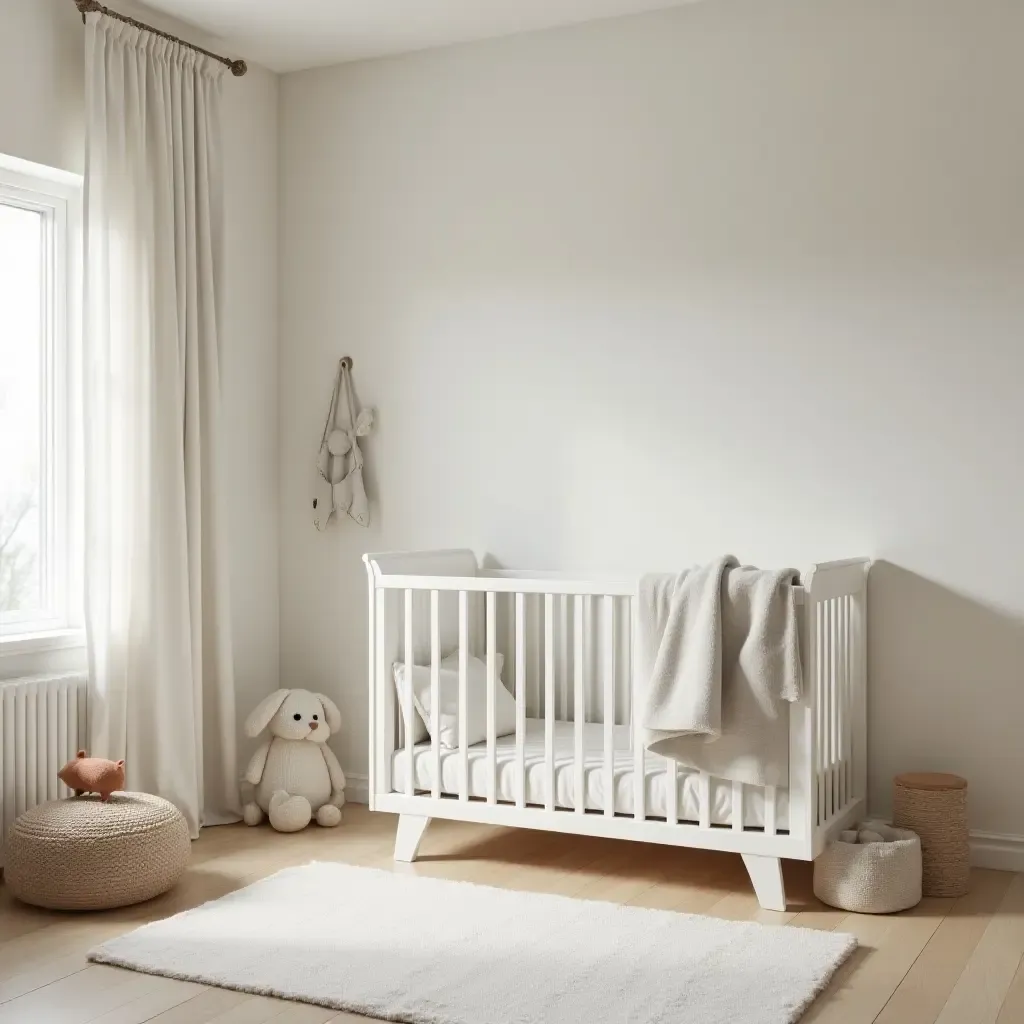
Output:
x,y
83,854
935,807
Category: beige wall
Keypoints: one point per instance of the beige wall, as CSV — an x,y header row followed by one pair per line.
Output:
x,y
742,276
41,119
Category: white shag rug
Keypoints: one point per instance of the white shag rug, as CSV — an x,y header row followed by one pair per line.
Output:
x,y
424,951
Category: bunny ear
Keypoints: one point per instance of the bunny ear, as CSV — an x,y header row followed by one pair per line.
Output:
x,y
331,711
364,423
264,712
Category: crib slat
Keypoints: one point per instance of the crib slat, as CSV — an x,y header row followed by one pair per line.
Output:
x,y
819,632
463,697
492,682
383,712
609,706
704,796
671,791
639,758
847,705
520,645
830,712
859,708
834,707
536,687
549,701
408,710
837,712
579,705
562,709
826,780
770,810
833,687
509,622
435,695
737,806
826,774
825,672
844,708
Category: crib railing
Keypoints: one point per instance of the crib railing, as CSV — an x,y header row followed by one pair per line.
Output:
x,y
569,648
835,679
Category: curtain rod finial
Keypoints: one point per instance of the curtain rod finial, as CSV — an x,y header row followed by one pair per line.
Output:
x,y
238,68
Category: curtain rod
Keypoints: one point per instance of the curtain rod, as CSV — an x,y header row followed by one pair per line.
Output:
x,y
238,67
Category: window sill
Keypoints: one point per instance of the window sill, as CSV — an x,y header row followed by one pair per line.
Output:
x,y
20,644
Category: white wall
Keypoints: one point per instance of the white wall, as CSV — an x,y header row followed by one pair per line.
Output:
x,y
41,119
740,276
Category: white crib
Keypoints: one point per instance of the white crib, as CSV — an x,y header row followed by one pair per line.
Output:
x,y
574,762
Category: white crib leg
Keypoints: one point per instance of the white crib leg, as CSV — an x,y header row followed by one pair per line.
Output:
x,y
411,828
766,875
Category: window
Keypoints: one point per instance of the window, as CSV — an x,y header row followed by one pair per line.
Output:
x,y
37,218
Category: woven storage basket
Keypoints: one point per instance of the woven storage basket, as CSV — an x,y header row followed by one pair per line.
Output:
x,y
83,854
871,878
935,807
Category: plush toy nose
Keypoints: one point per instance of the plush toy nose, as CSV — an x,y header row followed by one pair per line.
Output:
x,y
314,725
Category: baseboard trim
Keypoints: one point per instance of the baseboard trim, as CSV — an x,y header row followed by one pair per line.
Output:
x,y
357,789
1000,852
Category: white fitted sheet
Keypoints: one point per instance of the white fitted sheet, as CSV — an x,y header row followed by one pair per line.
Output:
x,y
687,782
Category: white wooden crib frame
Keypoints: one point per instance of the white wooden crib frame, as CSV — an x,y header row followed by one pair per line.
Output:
x,y
827,738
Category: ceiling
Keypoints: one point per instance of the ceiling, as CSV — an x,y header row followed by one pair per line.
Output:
x,y
286,35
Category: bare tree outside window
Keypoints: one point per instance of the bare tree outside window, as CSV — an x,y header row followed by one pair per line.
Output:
x,y
23,412
17,556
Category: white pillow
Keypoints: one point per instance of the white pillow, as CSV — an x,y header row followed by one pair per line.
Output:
x,y
448,687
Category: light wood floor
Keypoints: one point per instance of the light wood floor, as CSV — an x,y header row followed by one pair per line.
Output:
x,y
951,961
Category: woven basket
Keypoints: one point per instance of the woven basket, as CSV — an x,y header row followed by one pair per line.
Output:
x,y
871,878
935,807
83,854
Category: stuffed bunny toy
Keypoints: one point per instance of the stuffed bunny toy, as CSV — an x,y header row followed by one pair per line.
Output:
x,y
294,774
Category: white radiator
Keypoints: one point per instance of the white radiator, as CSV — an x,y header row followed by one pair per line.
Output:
x,y
42,725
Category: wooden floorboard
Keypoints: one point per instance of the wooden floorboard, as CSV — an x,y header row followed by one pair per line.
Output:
x,y
944,962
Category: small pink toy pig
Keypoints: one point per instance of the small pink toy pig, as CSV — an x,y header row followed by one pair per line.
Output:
x,y
93,775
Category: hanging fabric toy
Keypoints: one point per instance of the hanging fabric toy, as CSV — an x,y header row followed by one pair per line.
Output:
x,y
339,464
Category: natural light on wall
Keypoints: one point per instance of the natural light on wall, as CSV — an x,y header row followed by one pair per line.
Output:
x,y
35,543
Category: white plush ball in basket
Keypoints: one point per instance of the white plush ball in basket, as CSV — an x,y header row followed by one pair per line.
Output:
x,y
863,875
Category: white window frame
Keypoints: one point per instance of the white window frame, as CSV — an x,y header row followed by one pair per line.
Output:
x,y
57,195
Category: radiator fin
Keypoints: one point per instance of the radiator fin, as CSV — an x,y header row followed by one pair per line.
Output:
x,y
42,725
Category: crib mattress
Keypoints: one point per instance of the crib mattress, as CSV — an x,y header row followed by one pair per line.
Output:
x,y
656,781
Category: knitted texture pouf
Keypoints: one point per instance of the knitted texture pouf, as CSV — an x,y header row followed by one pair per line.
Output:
x,y
871,877
935,807
83,854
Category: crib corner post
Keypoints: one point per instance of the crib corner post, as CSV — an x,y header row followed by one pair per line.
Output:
x,y
802,751
371,782
766,877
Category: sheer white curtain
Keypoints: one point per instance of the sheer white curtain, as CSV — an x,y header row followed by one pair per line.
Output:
x,y
157,610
